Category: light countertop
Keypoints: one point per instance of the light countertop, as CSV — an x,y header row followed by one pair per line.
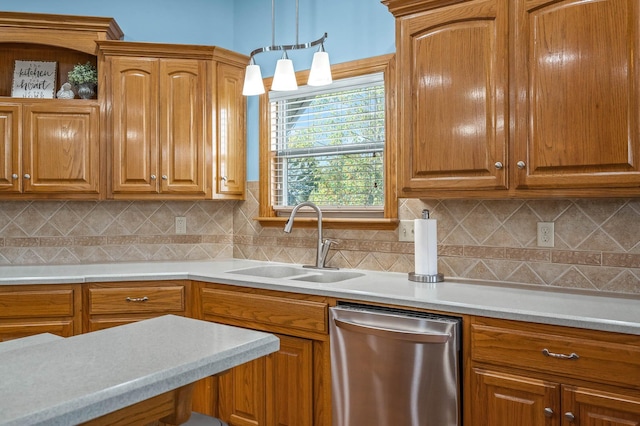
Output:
x,y
608,312
48,380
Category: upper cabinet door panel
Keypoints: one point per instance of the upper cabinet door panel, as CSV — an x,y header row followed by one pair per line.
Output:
x,y
10,173
579,100
60,148
182,127
134,94
231,129
454,97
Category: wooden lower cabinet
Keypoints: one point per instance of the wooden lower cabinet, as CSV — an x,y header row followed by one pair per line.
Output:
x,y
288,388
111,304
536,375
282,381
26,310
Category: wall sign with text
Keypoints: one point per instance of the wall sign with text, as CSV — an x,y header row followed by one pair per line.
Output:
x,y
34,79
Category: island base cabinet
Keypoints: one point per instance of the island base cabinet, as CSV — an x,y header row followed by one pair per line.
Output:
x,y
281,381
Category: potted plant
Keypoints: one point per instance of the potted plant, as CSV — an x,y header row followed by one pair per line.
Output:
x,y
84,78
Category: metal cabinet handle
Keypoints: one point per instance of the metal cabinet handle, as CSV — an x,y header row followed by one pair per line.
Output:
x,y
27,176
521,164
570,416
393,334
137,299
499,165
548,412
165,177
572,355
153,177
15,176
224,179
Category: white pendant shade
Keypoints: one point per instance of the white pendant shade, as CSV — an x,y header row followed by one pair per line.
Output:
x,y
320,74
253,84
284,78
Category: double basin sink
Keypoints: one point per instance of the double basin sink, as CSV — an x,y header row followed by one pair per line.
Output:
x,y
297,273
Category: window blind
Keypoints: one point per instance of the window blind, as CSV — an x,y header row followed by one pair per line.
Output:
x,y
327,145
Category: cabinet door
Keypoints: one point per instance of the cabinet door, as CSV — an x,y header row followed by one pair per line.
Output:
x,y
276,390
290,383
241,395
231,133
134,113
183,140
578,93
590,407
453,97
10,173
501,399
61,148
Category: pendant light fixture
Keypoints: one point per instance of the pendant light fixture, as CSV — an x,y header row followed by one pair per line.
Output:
x,y
284,77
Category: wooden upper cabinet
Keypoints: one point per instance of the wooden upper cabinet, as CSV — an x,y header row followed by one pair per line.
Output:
x,y
10,171
578,105
134,145
453,97
185,150
176,121
60,149
159,144
518,98
50,148
231,131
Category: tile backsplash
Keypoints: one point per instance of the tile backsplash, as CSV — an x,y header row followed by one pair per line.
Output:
x,y
597,241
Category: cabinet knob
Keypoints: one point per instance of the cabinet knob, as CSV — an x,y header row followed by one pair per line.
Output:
x,y
15,176
153,177
165,177
27,176
224,179
569,416
521,164
498,165
548,412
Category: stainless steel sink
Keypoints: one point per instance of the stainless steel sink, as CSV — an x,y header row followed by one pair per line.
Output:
x,y
328,276
271,271
297,273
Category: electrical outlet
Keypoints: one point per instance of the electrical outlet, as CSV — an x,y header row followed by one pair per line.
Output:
x,y
406,231
545,234
181,225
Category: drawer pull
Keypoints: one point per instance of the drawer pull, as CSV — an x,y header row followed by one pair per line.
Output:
x,y
137,299
546,352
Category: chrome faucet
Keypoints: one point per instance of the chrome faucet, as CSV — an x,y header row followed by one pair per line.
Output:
x,y
323,245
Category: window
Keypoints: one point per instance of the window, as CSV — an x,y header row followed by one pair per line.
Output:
x,y
329,145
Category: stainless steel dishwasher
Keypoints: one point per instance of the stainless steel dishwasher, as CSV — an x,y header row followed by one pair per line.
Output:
x,y
394,368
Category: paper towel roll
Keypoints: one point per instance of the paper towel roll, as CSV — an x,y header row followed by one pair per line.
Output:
x,y
426,246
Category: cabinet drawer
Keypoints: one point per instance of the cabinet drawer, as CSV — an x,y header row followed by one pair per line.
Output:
x,y
582,354
132,300
303,315
36,303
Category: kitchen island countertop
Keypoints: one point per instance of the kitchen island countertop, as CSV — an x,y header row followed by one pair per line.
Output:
x,y
547,305
48,380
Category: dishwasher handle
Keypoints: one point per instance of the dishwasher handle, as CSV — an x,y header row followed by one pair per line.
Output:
x,y
393,333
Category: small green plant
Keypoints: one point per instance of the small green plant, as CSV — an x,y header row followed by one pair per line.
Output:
x,y
86,73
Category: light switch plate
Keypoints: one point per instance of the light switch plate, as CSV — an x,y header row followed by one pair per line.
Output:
x,y
406,231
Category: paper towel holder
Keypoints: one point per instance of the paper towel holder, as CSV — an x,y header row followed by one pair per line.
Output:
x,y
421,278
426,278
